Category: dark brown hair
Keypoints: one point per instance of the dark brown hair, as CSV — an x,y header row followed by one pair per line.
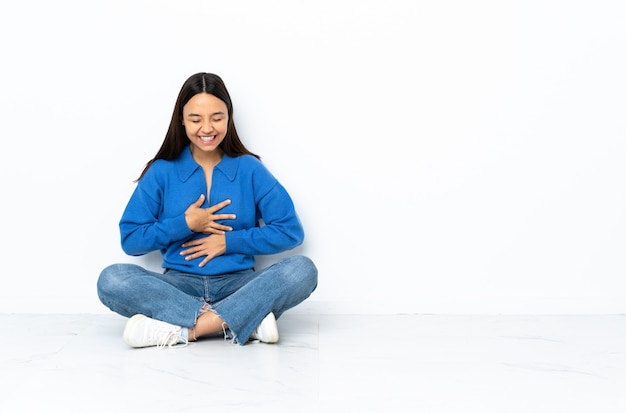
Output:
x,y
176,138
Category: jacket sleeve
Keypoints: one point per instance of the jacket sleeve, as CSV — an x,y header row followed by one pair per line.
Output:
x,y
141,228
280,229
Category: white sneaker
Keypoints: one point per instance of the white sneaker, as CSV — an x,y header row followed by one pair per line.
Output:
x,y
142,331
267,331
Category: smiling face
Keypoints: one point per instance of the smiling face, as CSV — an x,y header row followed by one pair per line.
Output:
x,y
205,118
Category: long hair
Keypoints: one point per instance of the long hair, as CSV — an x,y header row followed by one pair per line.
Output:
x,y
176,138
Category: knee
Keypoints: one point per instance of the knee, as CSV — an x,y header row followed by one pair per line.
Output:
x,y
304,270
107,275
111,278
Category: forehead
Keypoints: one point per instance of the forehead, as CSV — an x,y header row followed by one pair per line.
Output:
x,y
204,103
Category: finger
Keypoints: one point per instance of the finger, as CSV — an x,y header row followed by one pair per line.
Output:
x,y
200,201
193,255
218,206
204,261
215,228
221,217
192,246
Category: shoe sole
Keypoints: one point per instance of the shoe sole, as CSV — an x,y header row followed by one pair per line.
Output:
x,y
130,325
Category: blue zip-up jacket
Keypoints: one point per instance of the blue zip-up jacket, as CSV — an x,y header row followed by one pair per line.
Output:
x,y
154,218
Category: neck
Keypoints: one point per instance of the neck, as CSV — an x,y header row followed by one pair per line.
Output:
x,y
207,158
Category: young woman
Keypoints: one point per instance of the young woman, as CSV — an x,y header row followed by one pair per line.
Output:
x,y
210,206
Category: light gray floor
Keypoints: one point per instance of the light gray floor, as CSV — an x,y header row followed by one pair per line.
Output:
x,y
323,363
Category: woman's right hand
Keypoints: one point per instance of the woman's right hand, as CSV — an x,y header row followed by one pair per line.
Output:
x,y
203,219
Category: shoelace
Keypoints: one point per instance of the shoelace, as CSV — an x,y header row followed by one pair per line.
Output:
x,y
171,340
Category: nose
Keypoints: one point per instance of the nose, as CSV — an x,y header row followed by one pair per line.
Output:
x,y
207,126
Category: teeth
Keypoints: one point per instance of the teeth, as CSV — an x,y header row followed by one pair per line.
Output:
x,y
207,138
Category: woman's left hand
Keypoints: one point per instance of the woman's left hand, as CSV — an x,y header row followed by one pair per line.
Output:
x,y
209,247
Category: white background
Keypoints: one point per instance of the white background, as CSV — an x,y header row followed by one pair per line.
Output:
x,y
444,156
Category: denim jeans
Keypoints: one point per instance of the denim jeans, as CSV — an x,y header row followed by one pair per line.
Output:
x,y
242,299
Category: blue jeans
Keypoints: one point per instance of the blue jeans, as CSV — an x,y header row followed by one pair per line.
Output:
x,y
242,299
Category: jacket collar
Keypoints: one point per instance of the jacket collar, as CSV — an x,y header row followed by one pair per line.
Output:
x,y
187,165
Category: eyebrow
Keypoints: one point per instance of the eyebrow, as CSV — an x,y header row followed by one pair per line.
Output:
x,y
213,114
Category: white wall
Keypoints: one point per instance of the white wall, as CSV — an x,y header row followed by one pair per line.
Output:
x,y
445,156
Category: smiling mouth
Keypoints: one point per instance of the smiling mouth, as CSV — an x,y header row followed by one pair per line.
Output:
x,y
207,138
